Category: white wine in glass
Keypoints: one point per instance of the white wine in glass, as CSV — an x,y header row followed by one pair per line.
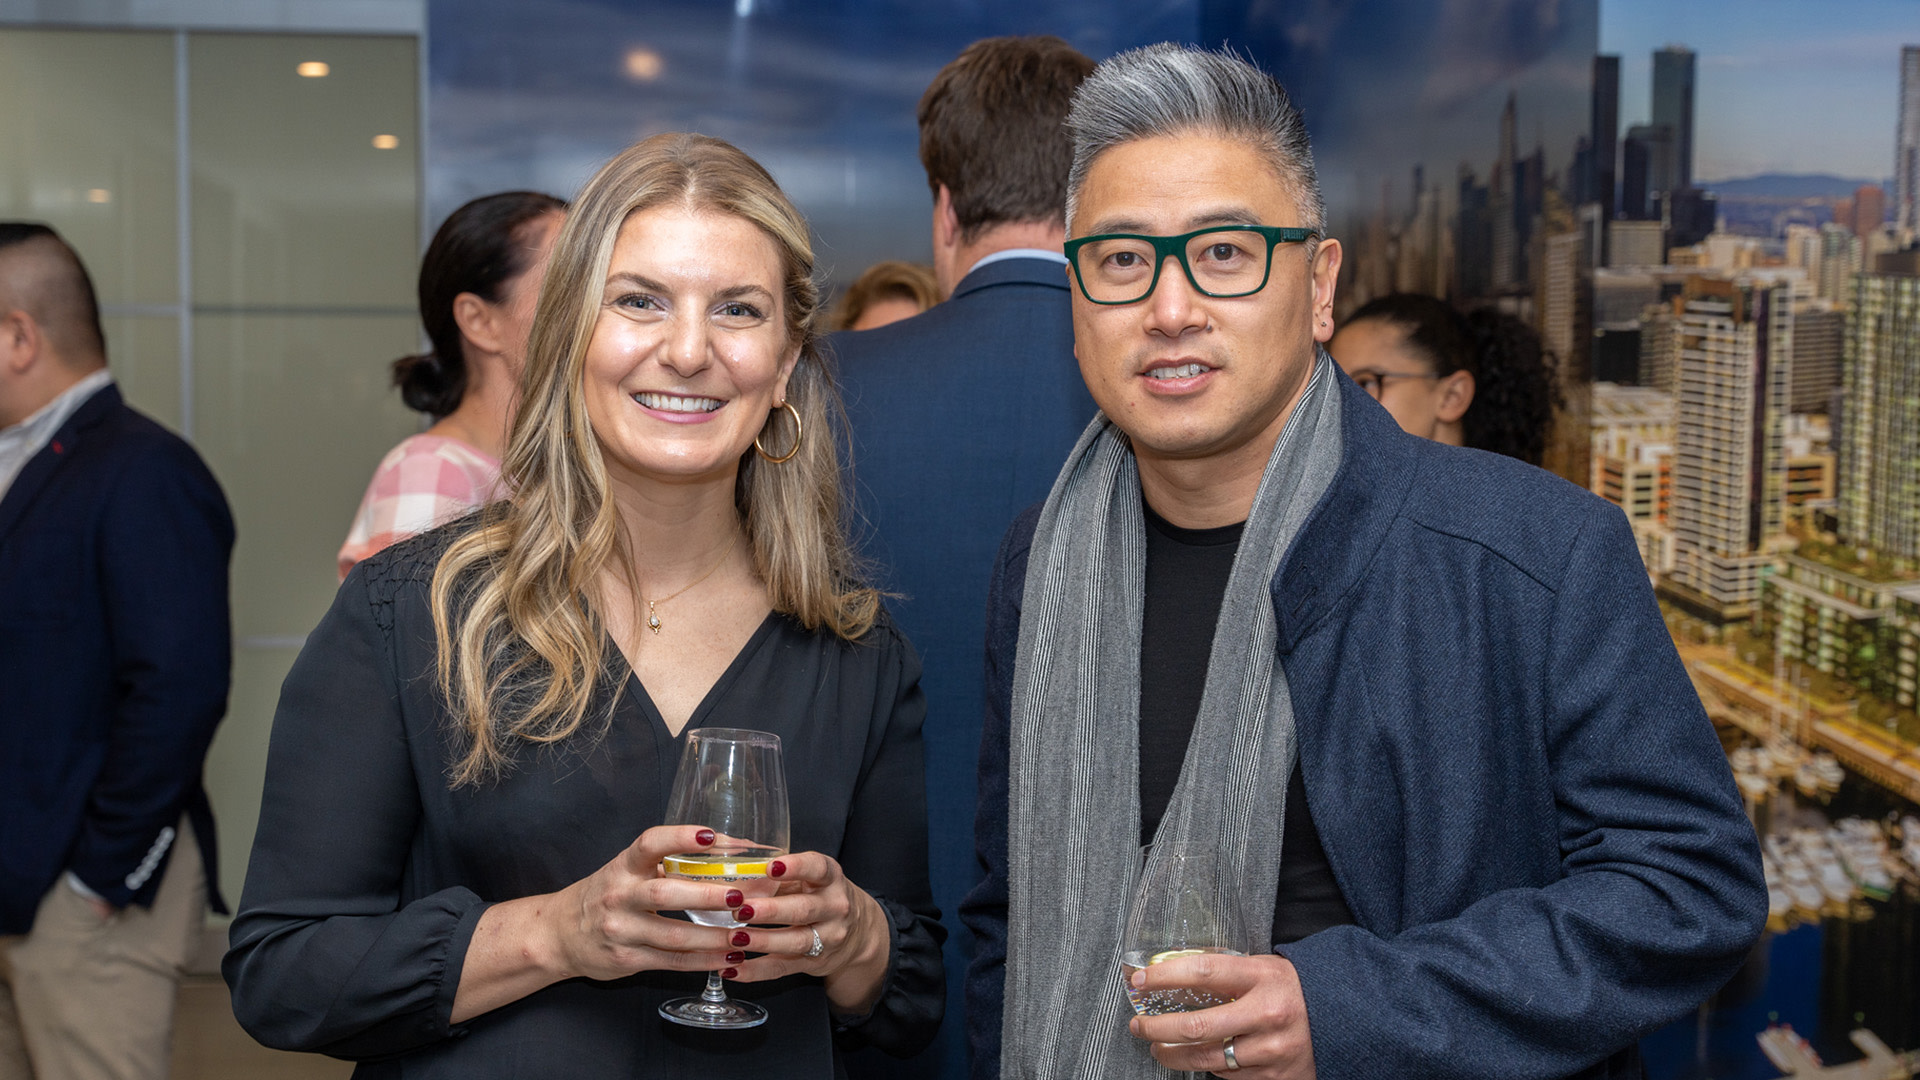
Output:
x,y
731,781
1182,907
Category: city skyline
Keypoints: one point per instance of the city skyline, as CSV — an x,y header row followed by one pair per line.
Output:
x,y
1781,88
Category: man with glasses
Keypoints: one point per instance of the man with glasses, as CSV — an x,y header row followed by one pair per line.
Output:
x,y
1418,701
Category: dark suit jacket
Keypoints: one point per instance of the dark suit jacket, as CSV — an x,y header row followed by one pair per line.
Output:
x,y
114,652
1516,787
960,417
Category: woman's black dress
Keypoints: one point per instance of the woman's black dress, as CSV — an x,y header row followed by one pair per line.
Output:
x,y
369,873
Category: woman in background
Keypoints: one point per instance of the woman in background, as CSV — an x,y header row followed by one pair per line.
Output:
x,y
457,871
888,292
479,281
1479,379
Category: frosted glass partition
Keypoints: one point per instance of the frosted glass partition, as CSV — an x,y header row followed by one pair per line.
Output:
x,y
293,414
256,316
305,187
304,248
145,360
87,146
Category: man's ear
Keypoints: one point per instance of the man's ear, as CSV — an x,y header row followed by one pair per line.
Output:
x,y
1326,275
946,223
1456,394
21,341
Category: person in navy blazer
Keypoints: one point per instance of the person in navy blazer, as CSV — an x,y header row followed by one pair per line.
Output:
x,y
962,415
115,652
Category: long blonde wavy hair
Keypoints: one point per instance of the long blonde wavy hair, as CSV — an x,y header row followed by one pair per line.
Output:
x,y
522,652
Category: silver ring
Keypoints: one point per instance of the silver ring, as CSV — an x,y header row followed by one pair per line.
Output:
x,y
818,946
1232,1061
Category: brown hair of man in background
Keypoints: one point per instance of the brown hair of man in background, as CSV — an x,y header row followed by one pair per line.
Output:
x,y
996,151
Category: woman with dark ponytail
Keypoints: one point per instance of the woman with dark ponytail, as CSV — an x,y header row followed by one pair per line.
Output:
x,y
479,281
1479,379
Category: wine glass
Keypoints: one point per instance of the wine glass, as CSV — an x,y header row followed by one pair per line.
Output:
x,y
730,781
1182,907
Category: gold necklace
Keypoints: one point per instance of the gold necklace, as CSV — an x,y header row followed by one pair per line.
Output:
x,y
653,620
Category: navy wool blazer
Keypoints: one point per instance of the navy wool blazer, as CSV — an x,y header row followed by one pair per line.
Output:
x,y
1518,791
959,417
115,651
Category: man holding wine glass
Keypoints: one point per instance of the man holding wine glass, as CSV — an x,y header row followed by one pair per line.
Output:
x,y
1463,815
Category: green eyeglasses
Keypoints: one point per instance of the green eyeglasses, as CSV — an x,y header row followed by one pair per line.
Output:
x,y
1223,261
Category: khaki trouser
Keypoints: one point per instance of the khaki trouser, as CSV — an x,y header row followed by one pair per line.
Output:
x,y
82,999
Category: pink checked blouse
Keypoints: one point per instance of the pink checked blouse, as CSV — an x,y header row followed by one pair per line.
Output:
x,y
425,481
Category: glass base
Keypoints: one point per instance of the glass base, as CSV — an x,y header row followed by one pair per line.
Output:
x,y
726,1013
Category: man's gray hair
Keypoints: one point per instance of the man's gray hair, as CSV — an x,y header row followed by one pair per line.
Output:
x,y
1173,89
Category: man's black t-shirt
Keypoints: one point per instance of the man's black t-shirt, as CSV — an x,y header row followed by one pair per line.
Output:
x,y
1187,572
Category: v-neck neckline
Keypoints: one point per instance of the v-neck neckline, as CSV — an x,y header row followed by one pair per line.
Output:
x,y
637,690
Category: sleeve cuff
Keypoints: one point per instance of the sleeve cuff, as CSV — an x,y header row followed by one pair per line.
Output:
x,y
846,1022
81,887
453,962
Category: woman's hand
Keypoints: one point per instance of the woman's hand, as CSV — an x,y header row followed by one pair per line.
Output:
x,y
605,926
815,896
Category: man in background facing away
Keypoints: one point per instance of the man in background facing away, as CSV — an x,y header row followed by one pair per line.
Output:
x,y
114,658
961,416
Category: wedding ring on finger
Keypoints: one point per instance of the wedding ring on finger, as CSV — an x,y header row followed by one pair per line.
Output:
x,y
1233,1062
818,946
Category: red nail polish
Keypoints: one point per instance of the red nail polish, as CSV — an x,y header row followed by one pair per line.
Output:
x,y
730,973
745,914
703,837
735,897
742,938
778,869
736,958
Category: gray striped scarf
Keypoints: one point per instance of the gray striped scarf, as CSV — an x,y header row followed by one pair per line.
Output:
x,y
1073,814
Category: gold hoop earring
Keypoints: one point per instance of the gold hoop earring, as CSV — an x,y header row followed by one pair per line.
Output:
x,y
798,434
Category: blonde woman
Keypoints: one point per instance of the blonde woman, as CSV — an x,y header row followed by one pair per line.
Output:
x,y
457,866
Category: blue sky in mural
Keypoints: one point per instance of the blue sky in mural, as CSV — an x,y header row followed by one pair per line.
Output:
x,y
821,92
1783,85
1387,84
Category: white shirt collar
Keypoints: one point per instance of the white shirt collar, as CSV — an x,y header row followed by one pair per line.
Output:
x,y
1018,253
20,442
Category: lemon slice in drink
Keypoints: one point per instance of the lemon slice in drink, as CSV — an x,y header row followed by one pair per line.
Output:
x,y
716,868
1175,954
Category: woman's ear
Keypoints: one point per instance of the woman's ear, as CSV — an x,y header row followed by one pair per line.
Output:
x,y
1456,394
479,322
787,365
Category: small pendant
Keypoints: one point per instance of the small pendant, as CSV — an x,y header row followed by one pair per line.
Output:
x,y
653,621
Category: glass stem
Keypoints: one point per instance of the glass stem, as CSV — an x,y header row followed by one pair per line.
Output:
x,y
716,990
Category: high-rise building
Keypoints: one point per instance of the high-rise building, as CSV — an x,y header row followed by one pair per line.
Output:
x,y
1636,243
1869,210
1503,199
1565,303
1645,156
1659,343
1632,454
1472,238
1673,109
1803,250
1603,136
1880,424
1633,449
1691,215
1840,259
1906,152
1819,329
1734,366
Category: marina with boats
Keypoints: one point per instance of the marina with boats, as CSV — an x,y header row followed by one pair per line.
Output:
x,y
1836,802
